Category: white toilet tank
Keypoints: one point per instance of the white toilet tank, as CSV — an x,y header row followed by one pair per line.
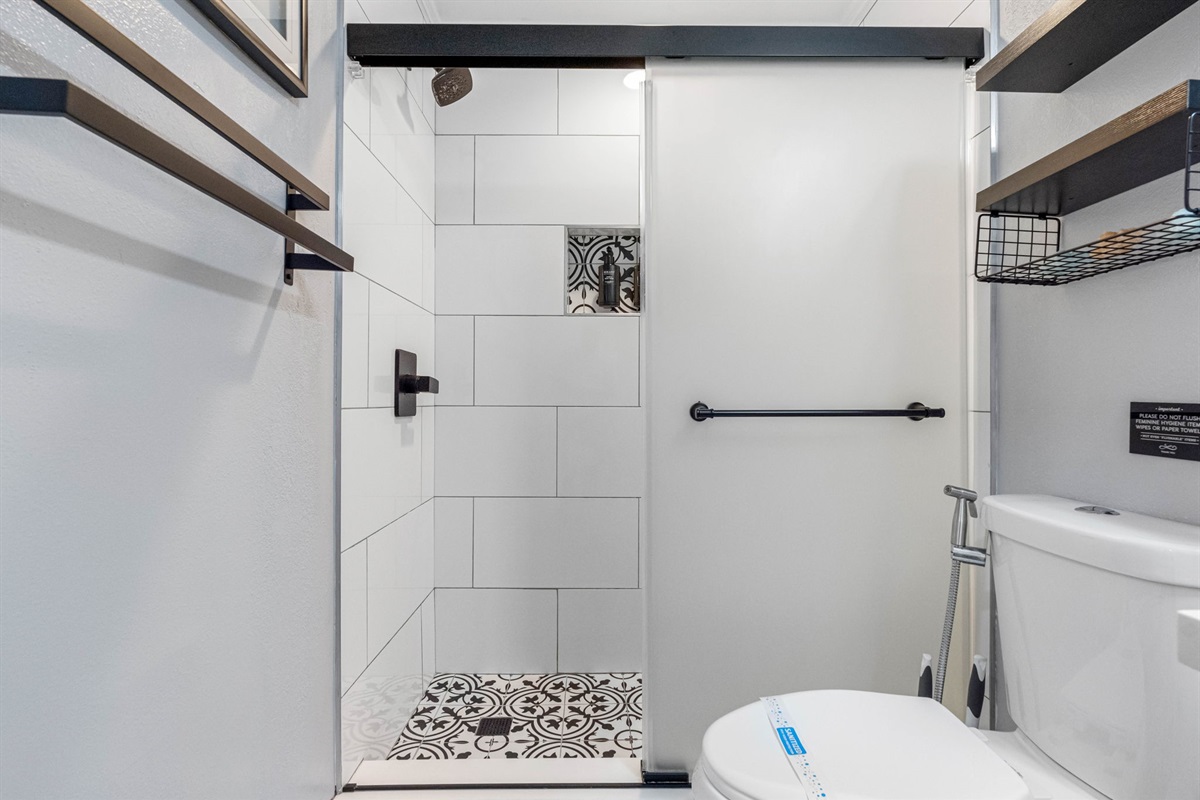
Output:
x,y
1086,605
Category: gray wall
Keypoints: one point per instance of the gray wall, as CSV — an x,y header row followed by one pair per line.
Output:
x,y
1070,359
167,516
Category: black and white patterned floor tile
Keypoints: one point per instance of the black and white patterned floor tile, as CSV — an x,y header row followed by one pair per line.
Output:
x,y
572,715
372,711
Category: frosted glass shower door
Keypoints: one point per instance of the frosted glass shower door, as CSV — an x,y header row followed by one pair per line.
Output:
x,y
803,250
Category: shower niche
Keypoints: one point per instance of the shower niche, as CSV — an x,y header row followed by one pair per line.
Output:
x,y
604,271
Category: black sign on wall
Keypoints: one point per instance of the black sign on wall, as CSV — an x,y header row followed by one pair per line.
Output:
x,y
1167,430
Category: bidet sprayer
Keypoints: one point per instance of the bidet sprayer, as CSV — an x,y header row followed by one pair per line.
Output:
x,y
964,505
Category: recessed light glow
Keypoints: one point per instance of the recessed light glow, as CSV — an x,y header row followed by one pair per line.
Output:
x,y
634,79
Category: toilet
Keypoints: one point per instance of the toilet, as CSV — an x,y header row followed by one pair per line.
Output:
x,y
1087,601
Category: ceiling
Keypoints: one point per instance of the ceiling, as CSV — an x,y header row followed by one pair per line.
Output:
x,y
932,13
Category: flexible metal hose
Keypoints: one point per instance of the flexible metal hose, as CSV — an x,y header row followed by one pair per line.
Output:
x,y
947,630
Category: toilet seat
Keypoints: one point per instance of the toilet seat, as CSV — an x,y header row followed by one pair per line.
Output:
x,y
863,746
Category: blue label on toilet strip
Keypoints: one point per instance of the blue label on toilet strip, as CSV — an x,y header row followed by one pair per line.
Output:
x,y
798,757
791,742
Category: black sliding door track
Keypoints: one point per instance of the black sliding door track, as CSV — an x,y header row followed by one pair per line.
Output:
x,y
628,46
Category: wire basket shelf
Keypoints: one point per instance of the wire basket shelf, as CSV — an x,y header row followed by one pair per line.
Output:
x,y
1017,248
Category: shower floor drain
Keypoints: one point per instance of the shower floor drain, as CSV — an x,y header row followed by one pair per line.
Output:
x,y
494,726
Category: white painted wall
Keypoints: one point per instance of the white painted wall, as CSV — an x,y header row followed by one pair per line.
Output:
x,y
388,547
539,447
1072,358
815,261
166,447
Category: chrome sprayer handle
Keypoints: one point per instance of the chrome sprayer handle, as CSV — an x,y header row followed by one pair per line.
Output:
x,y
964,501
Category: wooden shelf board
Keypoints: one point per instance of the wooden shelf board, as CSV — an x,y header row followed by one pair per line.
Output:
x,y
1070,40
1135,148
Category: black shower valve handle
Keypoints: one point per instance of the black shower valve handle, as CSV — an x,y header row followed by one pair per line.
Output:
x,y
416,384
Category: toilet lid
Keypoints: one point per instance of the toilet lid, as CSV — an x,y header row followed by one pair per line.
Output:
x,y
863,746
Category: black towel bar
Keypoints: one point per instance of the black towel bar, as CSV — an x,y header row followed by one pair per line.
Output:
x,y
914,411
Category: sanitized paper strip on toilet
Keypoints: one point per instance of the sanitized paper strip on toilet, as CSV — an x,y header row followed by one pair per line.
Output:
x,y
793,748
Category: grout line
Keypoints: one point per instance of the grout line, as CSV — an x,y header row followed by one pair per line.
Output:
x,y
474,176
557,473
964,10
869,10
392,522
472,542
557,632
473,369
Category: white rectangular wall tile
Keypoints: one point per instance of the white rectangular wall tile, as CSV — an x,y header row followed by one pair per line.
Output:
x,y
601,452
400,564
563,180
354,613
914,13
382,226
504,101
454,526
979,109
597,102
428,638
357,102
428,417
455,170
565,361
979,446
381,470
495,451
556,542
496,630
501,269
455,347
979,345
397,324
355,294
428,282
979,162
600,630
401,137
392,10
420,80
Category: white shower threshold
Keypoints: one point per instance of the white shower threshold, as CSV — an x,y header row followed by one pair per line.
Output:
x,y
498,773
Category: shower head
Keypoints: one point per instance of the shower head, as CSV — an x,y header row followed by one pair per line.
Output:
x,y
451,84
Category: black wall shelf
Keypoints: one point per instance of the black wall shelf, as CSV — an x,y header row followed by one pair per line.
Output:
x,y
1018,236
1071,40
1135,148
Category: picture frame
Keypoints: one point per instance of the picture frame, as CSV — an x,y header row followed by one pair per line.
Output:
x,y
273,33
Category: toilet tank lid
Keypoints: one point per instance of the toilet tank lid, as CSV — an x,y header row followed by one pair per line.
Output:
x,y
1130,544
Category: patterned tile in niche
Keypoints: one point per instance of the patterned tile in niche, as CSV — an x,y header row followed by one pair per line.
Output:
x,y
587,249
